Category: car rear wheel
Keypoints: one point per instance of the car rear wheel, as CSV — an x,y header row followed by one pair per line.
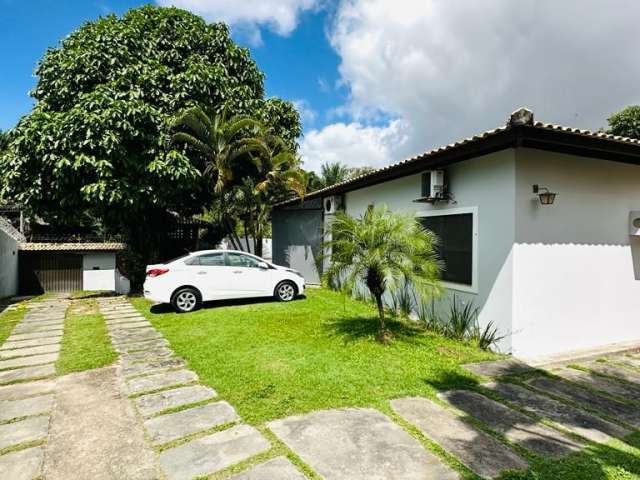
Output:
x,y
286,291
186,300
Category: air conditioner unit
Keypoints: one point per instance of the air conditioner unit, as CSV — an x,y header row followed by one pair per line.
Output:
x,y
437,184
331,204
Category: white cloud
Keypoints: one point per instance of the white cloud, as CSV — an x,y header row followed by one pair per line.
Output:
x,y
281,16
353,144
450,69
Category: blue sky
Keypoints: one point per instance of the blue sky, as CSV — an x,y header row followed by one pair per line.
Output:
x,y
379,80
301,67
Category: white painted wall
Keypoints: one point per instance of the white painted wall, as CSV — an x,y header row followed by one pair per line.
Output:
x,y
99,271
8,265
487,184
576,269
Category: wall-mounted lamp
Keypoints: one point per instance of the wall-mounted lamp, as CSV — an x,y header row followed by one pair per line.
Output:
x,y
546,197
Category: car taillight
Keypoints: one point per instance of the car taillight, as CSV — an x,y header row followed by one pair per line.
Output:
x,y
156,272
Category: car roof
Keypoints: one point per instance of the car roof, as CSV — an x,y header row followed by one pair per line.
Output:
x,y
202,252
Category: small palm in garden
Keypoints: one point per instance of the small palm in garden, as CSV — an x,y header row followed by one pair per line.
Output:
x,y
385,251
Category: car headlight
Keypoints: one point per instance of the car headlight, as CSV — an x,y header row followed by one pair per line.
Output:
x,y
295,272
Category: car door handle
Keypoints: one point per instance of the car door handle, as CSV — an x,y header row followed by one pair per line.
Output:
x,y
237,271
202,273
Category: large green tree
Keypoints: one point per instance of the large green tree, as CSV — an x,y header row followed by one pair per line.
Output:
x,y
97,145
626,122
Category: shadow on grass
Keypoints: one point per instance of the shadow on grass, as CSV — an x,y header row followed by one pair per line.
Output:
x,y
613,460
352,329
167,308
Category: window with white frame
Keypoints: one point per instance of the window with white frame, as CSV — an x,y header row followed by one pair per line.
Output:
x,y
456,234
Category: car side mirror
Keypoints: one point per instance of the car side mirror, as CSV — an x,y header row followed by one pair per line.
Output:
x,y
263,265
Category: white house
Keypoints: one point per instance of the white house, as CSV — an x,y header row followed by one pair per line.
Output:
x,y
36,267
552,277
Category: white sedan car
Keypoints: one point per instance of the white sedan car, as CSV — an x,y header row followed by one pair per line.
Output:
x,y
187,281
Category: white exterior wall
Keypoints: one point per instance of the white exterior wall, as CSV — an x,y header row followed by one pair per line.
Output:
x,y
99,271
576,269
8,265
487,185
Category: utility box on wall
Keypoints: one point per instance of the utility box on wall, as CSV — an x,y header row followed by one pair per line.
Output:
x,y
634,223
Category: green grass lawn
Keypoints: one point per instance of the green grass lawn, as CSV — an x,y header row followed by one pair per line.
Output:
x,y
271,360
85,343
8,320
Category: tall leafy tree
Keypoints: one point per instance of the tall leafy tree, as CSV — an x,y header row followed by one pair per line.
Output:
x,y
626,122
96,146
385,251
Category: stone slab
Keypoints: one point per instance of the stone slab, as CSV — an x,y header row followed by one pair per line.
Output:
x,y
627,374
597,382
358,443
572,419
111,316
479,451
124,327
166,428
26,407
34,342
147,355
498,368
157,402
23,431
27,373
53,330
22,465
159,380
153,344
23,390
515,426
158,365
588,399
29,361
135,336
626,360
21,352
277,469
30,336
43,321
212,453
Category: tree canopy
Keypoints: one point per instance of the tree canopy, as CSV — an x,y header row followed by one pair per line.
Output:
x,y
98,138
97,145
626,122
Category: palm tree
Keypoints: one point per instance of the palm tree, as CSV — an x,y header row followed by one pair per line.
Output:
x,y
221,140
332,173
278,176
385,251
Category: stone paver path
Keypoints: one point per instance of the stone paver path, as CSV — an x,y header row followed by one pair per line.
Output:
x,y
515,426
479,451
358,443
27,365
573,419
199,436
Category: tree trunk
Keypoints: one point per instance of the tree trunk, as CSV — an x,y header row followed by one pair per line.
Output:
x,y
380,305
258,244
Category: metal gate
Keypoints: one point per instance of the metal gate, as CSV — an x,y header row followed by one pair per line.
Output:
x,y
60,272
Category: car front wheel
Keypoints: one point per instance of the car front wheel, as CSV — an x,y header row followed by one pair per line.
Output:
x,y
286,291
186,300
